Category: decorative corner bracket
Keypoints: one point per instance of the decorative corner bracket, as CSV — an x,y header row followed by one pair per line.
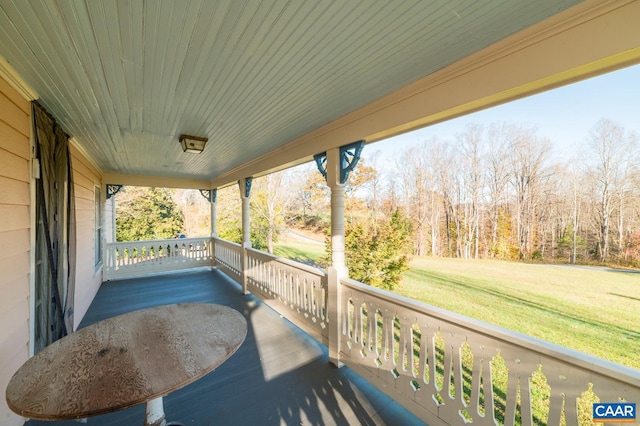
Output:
x,y
113,189
321,163
206,193
247,186
349,157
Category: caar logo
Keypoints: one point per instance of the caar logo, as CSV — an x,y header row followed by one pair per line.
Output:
x,y
618,412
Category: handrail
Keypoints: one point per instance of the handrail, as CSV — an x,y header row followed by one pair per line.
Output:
x,y
296,290
227,257
421,355
135,258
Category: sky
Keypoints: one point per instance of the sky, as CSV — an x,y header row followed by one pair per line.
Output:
x,y
564,115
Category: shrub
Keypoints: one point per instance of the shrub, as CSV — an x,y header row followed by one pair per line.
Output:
x,y
376,252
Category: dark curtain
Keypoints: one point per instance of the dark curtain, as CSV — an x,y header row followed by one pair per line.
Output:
x,y
55,231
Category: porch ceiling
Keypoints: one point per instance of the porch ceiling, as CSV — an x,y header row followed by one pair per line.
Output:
x,y
126,78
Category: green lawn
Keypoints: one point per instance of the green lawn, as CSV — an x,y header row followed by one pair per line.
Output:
x,y
592,310
301,251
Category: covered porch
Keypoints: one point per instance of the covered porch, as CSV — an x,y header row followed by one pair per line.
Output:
x,y
434,364
280,375
274,84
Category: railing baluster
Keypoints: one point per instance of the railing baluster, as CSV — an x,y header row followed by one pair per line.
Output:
x,y
298,289
481,379
405,365
372,336
387,355
517,358
135,258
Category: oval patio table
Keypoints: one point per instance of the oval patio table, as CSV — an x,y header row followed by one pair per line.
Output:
x,y
134,358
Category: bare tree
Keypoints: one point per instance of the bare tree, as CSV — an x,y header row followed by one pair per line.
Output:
x,y
610,168
497,178
375,186
359,189
422,172
417,183
472,179
314,194
529,156
196,210
574,178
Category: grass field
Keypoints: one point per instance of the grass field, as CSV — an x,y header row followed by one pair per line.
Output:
x,y
592,310
301,251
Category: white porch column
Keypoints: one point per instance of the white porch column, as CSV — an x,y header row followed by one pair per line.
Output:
x,y
214,212
109,203
338,269
113,220
245,194
214,224
335,165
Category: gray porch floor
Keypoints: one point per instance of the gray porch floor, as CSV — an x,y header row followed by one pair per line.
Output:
x,y
280,375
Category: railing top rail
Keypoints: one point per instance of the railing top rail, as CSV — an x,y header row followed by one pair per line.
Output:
x,y
588,362
227,242
292,263
168,240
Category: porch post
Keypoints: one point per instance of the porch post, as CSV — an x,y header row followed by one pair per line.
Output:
x,y
214,212
113,220
214,224
335,166
338,269
108,192
245,194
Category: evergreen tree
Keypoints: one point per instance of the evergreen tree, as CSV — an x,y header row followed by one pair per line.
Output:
x,y
230,220
377,255
147,214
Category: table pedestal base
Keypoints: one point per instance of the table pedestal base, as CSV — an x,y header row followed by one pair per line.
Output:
x,y
155,413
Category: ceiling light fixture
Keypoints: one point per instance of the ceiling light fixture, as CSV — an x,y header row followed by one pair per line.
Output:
x,y
193,144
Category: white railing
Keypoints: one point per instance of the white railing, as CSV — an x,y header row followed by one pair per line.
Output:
x,y
136,258
297,291
450,369
228,258
444,367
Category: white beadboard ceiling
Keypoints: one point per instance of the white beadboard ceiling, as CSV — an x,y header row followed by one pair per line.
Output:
x,y
127,77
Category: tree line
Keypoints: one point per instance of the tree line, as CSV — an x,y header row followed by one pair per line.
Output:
x,y
497,191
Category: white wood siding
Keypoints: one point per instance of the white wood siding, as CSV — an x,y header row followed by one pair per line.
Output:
x,y
88,280
15,199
